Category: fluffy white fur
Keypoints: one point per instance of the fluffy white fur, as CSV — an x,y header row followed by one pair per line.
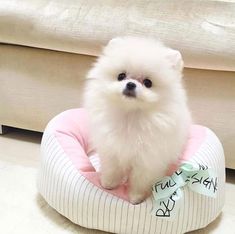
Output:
x,y
137,137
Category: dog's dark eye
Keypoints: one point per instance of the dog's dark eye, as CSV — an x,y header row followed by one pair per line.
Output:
x,y
121,76
147,83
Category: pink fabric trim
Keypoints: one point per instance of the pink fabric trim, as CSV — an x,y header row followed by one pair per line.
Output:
x,y
72,131
196,136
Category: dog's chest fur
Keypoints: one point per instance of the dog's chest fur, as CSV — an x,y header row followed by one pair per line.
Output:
x,y
132,134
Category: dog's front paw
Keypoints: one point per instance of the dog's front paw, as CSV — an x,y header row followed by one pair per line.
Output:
x,y
136,198
108,183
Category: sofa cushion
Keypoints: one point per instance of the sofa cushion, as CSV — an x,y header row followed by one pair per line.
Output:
x,y
204,32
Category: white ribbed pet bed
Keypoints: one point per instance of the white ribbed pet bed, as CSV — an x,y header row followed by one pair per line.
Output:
x,y
69,182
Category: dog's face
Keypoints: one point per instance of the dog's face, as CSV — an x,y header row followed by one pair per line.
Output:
x,y
136,73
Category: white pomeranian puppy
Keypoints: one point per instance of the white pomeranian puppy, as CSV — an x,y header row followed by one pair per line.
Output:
x,y
138,112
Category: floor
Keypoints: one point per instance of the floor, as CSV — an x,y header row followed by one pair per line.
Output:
x,y
20,147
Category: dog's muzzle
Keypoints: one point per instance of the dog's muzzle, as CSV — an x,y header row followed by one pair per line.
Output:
x,y
129,90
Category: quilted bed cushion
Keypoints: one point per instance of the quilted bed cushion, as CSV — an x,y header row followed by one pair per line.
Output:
x,y
69,182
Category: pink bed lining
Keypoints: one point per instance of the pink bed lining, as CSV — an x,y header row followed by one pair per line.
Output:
x,y
72,131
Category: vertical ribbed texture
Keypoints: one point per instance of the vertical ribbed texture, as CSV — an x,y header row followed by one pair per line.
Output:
x,y
72,195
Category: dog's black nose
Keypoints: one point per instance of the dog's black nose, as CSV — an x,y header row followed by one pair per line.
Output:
x,y
130,86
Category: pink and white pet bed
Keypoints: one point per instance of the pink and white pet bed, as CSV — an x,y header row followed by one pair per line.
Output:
x,y
69,181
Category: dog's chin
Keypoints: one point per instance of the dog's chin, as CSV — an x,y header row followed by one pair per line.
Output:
x,y
129,93
130,102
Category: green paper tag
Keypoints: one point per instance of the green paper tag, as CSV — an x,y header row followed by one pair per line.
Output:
x,y
168,207
167,192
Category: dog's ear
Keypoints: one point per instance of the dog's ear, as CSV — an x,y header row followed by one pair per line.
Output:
x,y
175,59
115,41
113,44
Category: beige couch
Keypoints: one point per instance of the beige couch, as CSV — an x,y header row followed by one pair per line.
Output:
x,y
47,46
